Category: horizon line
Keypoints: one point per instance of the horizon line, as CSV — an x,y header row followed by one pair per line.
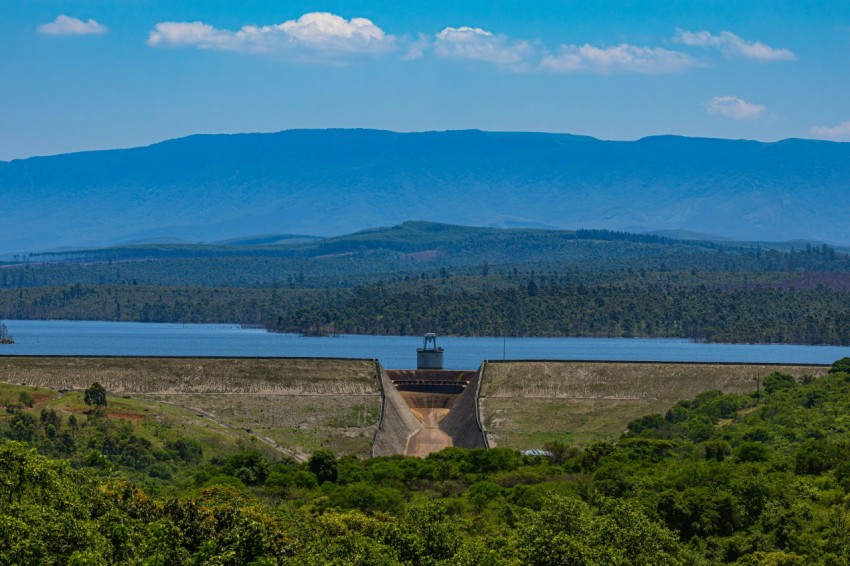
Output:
x,y
414,132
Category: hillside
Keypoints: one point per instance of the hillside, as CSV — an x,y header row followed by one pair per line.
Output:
x,y
408,249
326,182
295,405
427,277
529,404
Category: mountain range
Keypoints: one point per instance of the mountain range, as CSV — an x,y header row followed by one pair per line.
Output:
x,y
207,188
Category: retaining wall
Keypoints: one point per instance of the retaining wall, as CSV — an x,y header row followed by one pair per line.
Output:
x,y
462,421
397,422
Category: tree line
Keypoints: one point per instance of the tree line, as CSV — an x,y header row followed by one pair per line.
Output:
x,y
522,305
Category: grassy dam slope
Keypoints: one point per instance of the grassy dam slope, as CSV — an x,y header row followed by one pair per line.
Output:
x,y
526,404
299,404
296,406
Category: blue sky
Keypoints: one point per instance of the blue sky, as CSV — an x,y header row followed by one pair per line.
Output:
x,y
89,74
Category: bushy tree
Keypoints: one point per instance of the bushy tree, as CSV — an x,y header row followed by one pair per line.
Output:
x,y
95,395
323,465
26,399
842,365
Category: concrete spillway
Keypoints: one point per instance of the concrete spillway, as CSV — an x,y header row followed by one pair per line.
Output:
x,y
428,410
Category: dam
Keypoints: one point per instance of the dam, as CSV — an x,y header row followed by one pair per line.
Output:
x,y
355,406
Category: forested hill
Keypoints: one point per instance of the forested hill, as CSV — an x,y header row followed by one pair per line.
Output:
x,y
325,182
409,249
424,277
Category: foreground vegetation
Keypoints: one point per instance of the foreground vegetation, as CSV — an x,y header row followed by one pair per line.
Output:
x,y
738,478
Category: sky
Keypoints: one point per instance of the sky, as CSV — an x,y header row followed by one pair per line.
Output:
x,y
102,74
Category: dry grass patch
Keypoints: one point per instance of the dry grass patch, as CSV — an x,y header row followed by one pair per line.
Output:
x,y
285,411
526,404
624,380
195,375
296,422
521,423
303,404
306,441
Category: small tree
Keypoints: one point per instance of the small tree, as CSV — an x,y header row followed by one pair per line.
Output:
x,y
95,395
26,399
323,465
840,365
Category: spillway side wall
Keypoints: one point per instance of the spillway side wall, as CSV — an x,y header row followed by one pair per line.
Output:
x,y
397,422
462,422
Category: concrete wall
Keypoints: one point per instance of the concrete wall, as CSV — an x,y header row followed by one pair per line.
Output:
x,y
462,422
397,422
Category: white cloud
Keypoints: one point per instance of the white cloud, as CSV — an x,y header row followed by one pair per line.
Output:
x,y
733,45
620,58
839,132
317,32
478,44
475,43
66,25
734,107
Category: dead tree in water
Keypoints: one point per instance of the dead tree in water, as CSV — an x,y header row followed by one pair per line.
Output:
x,y
5,337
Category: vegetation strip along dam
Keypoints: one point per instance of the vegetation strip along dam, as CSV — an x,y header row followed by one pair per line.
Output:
x,y
351,406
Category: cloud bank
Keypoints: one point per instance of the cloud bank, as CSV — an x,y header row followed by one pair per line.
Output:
x,y
322,35
620,58
66,25
732,45
839,132
734,107
319,33
475,43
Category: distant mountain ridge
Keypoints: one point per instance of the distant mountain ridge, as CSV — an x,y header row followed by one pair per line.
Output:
x,y
327,182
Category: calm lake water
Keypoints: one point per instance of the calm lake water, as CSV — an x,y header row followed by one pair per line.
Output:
x,y
38,337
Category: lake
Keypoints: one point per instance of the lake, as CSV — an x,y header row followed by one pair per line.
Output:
x,y
40,337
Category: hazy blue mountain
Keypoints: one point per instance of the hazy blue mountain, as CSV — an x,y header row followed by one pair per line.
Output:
x,y
327,182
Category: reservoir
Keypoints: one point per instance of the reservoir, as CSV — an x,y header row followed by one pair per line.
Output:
x,y
85,338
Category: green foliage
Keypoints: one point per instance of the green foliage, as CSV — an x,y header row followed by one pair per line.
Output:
x,y
323,465
569,531
561,452
648,422
842,365
368,498
717,450
720,479
26,399
187,450
483,493
777,381
752,452
249,467
95,395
